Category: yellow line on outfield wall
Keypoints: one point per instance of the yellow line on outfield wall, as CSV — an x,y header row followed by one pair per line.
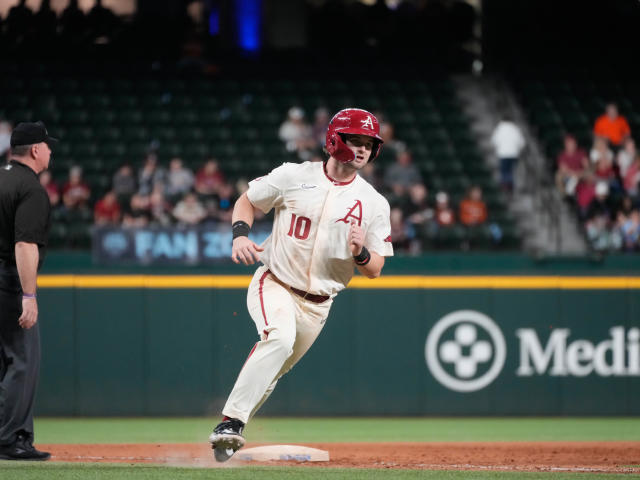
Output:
x,y
385,282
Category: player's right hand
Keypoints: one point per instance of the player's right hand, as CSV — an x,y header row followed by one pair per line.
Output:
x,y
29,315
245,251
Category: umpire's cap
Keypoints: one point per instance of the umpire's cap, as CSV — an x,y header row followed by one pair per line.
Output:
x,y
27,133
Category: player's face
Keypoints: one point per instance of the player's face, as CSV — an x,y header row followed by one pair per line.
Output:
x,y
361,146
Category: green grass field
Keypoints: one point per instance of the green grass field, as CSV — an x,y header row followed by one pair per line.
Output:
x,y
141,472
190,430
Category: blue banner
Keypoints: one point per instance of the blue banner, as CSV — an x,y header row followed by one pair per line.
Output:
x,y
167,245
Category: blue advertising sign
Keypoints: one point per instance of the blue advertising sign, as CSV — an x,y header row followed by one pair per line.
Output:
x,y
167,245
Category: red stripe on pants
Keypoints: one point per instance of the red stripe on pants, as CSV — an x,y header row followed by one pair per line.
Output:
x,y
249,356
264,315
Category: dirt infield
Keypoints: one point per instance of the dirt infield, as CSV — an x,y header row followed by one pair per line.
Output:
x,y
618,457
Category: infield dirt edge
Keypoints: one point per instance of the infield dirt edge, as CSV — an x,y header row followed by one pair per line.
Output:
x,y
602,457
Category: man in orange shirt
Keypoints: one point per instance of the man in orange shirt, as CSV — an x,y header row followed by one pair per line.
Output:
x,y
612,126
473,210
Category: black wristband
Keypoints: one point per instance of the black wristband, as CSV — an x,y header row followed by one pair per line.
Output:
x,y
363,258
240,229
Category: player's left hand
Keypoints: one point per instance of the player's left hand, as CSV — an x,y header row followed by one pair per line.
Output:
x,y
356,238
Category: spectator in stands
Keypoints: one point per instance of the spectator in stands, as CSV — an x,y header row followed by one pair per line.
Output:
x,y
473,210
572,165
392,146
418,211
5,139
508,142
630,232
626,206
319,127
600,149
124,184
444,214
400,237
179,180
212,215
189,210
400,175
75,193
107,210
604,171
159,208
632,178
46,180
209,178
585,192
601,203
626,156
137,215
226,199
297,134
150,175
599,219
611,126
370,174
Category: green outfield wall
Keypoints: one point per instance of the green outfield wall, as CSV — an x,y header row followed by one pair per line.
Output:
x,y
400,345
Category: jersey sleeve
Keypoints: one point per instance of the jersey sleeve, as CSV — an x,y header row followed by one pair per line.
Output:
x,y
378,237
267,192
32,217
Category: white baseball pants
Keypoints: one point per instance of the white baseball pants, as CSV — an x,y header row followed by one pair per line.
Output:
x,y
287,325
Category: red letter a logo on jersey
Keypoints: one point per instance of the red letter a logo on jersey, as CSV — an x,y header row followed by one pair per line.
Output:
x,y
355,213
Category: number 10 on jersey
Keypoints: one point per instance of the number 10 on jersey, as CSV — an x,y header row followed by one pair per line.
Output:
x,y
299,227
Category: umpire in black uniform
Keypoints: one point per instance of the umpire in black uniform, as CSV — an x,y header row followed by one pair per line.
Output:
x,y
24,227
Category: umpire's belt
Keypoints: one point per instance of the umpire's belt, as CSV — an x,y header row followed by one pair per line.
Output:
x,y
312,297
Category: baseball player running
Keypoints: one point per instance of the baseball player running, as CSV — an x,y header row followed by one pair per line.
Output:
x,y
327,220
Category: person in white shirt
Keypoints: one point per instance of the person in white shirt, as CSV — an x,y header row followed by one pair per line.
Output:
x,y
5,137
508,142
626,156
328,220
296,133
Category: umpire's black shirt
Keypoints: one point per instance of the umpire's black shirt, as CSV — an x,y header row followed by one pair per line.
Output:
x,y
25,213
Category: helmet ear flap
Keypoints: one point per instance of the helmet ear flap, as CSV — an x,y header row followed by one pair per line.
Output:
x,y
342,152
332,142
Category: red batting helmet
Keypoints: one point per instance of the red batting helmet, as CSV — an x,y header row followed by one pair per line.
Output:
x,y
354,121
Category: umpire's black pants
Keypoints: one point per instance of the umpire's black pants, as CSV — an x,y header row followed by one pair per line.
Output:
x,y
19,366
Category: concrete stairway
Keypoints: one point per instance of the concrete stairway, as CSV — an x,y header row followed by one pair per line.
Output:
x,y
547,225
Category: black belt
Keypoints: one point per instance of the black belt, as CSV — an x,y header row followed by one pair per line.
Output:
x,y
312,297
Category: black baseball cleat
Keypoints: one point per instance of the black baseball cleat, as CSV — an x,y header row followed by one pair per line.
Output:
x,y
227,439
23,449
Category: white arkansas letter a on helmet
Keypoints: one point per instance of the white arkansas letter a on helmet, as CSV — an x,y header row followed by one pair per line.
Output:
x,y
367,123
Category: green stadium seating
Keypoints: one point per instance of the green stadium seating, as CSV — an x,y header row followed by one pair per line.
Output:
x,y
105,122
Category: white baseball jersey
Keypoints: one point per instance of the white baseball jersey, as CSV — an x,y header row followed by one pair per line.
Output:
x,y
308,247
